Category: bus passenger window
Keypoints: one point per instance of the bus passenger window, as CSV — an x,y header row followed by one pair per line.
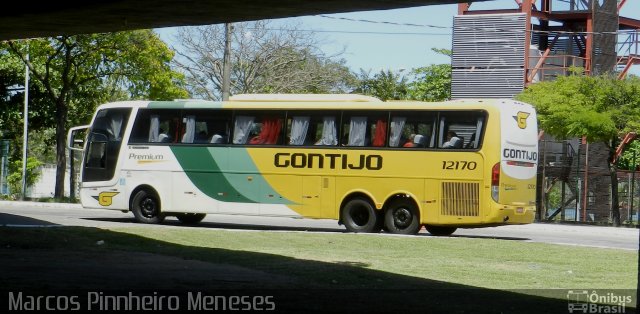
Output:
x,y
329,134
242,129
397,125
412,130
269,132
453,140
460,130
298,130
154,126
190,129
379,133
357,131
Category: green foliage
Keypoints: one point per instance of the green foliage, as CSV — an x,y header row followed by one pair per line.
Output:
x,y
14,179
602,108
626,161
432,83
429,83
599,107
71,75
384,85
41,145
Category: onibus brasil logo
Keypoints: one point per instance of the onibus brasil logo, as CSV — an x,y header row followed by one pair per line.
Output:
x,y
584,301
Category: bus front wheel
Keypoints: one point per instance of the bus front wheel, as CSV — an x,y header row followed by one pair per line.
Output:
x,y
146,208
402,218
190,219
359,215
440,231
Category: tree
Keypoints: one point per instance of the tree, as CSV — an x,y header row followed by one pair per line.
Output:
x,y
433,82
263,60
626,160
384,85
15,178
601,108
78,72
429,83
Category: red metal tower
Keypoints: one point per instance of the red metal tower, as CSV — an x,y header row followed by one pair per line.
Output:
x,y
584,33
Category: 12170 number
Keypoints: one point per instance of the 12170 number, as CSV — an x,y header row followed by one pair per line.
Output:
x,y
459,165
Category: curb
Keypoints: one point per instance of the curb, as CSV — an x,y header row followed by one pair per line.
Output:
x,y
5,204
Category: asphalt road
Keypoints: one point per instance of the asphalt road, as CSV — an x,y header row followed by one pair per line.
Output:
x,y
31,214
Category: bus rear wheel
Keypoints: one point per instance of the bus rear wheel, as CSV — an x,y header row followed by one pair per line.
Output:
x,y
146,207
440,231
402,217
359,215
190,219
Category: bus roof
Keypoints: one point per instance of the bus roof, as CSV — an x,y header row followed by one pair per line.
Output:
x,y
322,101
303,98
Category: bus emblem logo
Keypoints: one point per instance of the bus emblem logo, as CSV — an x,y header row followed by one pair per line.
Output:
x,y
521,118
105,198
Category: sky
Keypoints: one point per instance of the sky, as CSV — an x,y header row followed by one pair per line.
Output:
x,y
399,48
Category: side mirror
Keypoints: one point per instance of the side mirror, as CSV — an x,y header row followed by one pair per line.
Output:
x,y
72,142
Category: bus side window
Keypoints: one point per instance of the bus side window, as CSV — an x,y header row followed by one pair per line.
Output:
x,y
204,126
395,132
412,130
299,130
460,130
356,131
154,126
270,132
379,131
242,128
326,131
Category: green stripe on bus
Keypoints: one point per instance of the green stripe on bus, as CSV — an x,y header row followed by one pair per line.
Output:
x,y
258,188
200,165
205,174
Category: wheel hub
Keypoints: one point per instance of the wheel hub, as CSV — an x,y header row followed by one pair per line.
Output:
x,y
148,207
402,217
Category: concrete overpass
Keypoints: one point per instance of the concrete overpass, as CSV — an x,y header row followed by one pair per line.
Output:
x,y
29,19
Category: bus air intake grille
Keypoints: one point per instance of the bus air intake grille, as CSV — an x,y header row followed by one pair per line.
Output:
x,y
460,199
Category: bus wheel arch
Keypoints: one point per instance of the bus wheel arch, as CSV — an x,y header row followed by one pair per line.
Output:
x,y
358,214
402,215
146,205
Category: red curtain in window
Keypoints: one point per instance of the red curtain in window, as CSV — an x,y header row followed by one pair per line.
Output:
x,y
269,133
379,139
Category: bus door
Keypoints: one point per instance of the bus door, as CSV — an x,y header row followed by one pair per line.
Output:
x,y
101,156
430,204
318,196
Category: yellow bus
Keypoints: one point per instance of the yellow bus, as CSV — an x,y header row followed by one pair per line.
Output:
x,y
369,164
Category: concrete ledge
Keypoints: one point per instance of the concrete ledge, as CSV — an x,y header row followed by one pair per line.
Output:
x,y
5,204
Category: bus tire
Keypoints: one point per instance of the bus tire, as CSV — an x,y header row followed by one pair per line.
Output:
x,y
190,219
440,231
402,217
146,207
359,215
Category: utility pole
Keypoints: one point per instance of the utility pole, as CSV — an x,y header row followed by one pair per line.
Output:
x,y
25,128
226,65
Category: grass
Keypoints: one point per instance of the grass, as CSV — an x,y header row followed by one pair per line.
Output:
x,y
483,263
313,272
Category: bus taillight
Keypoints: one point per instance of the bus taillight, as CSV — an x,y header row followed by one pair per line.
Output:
x,y
495,182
